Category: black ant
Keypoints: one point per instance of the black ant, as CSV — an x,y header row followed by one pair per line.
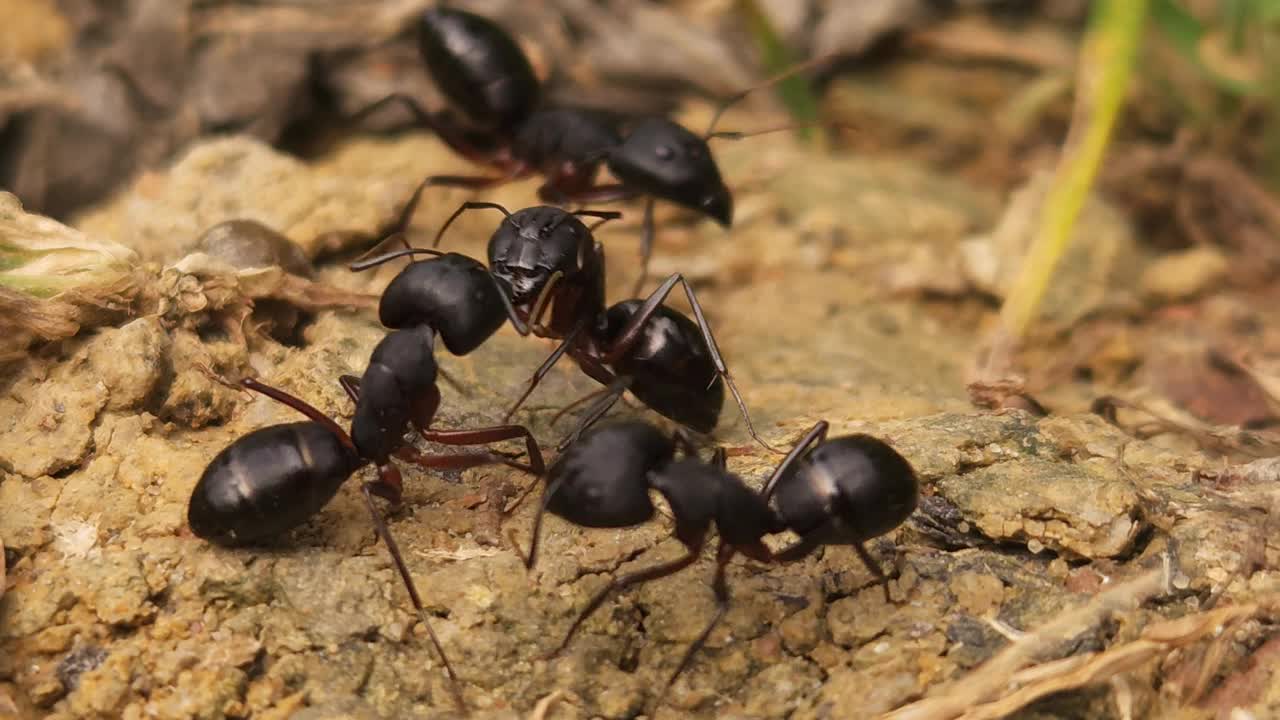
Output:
x,y
550,268
277,477
840,491
482,71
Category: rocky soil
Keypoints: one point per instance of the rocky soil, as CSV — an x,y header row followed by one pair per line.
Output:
x,y
1157,560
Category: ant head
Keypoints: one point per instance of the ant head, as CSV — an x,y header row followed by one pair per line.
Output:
x,y
602,480
668,161
855,484
532,244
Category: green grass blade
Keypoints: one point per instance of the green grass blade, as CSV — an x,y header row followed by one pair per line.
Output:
x,y
1106,63
794,92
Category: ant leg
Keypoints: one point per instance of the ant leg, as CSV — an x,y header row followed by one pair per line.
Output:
x,y
601,194
721,589
816,434
546,366
635,578
536,534
720,458
483,436
303,407
390,476
611,394
448,131
874,567
631,333
457,461
806,545
593,395
646,246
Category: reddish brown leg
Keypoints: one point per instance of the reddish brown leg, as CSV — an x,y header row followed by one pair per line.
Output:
x,y
479,436
646,246
594,194
621,583
721,589
816,434
303,407
450,133
379,523
484,436
546,366
389,487
609,397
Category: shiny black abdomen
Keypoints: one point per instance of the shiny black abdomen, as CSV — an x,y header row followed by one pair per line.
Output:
x,y
858,483
268,482
453,294
479,67
671,366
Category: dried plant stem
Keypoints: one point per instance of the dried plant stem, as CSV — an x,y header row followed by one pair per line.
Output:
x,y
993,677
1106,62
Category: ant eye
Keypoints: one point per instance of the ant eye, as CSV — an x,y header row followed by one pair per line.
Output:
x,y
664,152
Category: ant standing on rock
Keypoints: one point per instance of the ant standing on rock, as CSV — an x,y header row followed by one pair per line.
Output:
x,y
483,73
551,273
839,491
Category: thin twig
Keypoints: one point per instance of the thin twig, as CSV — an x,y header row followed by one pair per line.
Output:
x,y
988,681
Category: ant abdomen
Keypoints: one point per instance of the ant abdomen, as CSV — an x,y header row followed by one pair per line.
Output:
x,y
856,485
673,372
478,66
268,482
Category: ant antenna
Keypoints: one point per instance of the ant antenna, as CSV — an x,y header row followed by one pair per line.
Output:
x,y
469,205
738,96
365,264
604,215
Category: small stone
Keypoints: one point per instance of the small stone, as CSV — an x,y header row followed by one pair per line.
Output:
x,y
119,589
1083,509
129,384
977,593
860,618
56,639
1183,274
775,691
77,662
45,691
27,504
802,631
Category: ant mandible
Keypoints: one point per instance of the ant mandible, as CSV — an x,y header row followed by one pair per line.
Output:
x,y
549,267
482,71
840,491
